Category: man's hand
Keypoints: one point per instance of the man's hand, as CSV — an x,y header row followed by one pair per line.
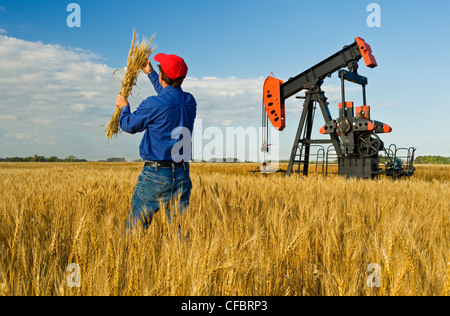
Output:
x,y
121,101
147,67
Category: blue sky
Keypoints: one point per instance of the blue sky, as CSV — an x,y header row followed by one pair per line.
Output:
x,y
60,90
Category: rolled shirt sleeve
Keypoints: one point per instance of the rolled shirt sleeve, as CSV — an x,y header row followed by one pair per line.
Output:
x,y
137,121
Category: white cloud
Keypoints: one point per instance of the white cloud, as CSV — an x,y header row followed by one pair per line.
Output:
x,y
18,135
7,118
3,32
226,101
227,122
229,101
58,99
40,80
50,92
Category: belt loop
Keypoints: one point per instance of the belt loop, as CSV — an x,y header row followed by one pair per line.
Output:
x,y
184,165
156,166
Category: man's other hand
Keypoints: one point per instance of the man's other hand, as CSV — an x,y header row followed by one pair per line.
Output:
x,y
121,101
147,67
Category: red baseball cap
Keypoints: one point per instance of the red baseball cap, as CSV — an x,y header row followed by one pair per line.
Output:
x,y
173,65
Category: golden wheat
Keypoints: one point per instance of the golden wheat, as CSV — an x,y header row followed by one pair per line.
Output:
x,y
244,234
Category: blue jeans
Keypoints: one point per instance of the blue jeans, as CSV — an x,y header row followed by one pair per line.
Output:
x,y
158,187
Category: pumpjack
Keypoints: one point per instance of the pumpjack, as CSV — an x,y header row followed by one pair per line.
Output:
x,y
353,144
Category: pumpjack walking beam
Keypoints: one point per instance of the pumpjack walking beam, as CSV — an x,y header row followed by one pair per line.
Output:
x,y
348,57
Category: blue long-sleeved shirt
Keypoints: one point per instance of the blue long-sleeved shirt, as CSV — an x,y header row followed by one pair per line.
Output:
x,y
159,116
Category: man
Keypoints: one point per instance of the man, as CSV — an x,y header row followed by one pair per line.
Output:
x,y
165,178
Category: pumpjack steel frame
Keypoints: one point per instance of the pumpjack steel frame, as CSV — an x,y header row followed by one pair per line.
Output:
x,y
353,138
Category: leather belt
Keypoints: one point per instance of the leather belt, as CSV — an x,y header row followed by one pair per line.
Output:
x,y
165,164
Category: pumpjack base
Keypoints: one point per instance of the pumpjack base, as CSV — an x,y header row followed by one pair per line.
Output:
x,y
358,167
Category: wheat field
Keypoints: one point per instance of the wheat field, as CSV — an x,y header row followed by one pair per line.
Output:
x,y
244,234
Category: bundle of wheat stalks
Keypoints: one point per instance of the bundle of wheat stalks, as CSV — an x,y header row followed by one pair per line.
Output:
x,y
137,57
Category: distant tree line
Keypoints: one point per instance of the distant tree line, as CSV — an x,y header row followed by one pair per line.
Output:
x,y
71,158
37,158
438,160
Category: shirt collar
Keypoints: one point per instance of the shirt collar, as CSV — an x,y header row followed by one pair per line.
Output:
x,y
170,89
